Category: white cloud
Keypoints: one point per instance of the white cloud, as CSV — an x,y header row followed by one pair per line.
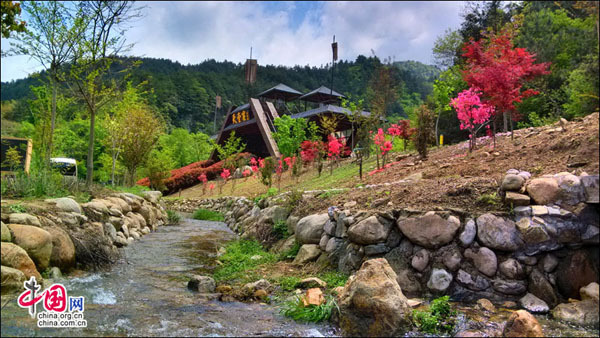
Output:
x,y
190,32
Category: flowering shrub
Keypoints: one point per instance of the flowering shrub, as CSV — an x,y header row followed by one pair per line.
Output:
x,y
472,112
405,132
202,178
188,176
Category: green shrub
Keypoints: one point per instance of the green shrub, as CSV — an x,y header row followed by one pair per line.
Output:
x,y
489,199
173,217
293,199
296,310
208,215
280,229
270,192
39,183
334,278
266,172
438,319
288,283
17,208
237,260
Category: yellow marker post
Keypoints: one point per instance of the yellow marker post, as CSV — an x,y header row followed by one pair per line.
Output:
x,y
441,140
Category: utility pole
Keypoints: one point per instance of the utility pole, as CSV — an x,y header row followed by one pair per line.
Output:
x,y
334,50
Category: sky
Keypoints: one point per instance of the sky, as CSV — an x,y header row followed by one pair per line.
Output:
x,y
280,33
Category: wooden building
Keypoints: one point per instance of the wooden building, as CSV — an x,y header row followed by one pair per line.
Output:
x,y
253,121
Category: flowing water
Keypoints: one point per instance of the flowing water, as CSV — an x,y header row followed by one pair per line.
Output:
x,y
145,294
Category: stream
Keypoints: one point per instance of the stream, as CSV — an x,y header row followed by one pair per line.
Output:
x,y
145,294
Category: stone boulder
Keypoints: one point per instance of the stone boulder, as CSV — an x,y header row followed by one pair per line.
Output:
x,y
284,245
372,303
439,280
420,260
543,190
66,204
472,282
512,182
96,211
307,253
467,236
261,284
571,189
512,269
291,223
522,324
63,249
540,287
12,279
590,188
124,206
574,272
533,304
22,218
430,231
371,230
310,228
274,214
15,257
152,196
36,241
583,313
202,284
484,260
498,233
6,236
589,292
516,199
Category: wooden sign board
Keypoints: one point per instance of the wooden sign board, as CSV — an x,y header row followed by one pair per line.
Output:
x,y
24,149
241,116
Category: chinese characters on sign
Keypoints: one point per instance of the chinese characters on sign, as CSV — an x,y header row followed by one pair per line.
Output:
x,y
55,303
240,116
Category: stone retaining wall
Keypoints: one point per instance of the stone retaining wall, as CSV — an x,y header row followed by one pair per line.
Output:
x,y
548,251
65,234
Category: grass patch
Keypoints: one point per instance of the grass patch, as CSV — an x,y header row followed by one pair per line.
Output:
x,y
173,217
208,215
237,260
326,194
334,278
312,313
288,283
489,199
269,193
440,318
136,189
17,208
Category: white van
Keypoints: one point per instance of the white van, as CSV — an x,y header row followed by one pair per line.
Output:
x,y
66,166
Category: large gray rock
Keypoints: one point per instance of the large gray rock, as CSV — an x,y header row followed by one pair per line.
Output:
x,y
516,199
291,223
509,287
591,291
420,260
498,233
540,287
475,283
590,187
152,196
307,253
6,237
202,284
439,280
22,218
571,189
369,231
310,228
372,303
543,190
512,182
533,304
66,204
12,279
63,249
274,214
522,324
15,257
36,241
430,231
484,260
549,263
583,313
532,230
468,234
376,249
284,245
96,211
512,269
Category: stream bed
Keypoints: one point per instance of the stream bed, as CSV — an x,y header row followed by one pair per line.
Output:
x,y
145,294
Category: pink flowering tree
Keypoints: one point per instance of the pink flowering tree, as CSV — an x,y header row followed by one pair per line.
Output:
x,y
225,175
334,150
293,165
472,112
211,187
379,139
202,178
279,172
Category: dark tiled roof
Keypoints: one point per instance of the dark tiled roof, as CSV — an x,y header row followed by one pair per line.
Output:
x,y
325,109
320,94
280,89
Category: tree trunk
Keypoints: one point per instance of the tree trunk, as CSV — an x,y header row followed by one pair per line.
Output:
x,y
90,156
505,117
494,131
52,121
510,120
112,174
437,137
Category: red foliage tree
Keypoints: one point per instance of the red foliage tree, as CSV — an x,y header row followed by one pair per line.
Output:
x,y
500,70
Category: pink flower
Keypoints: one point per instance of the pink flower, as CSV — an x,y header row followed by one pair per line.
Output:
x,y
261,162
211,186
246,173
254,168
225,174
253,161
202,178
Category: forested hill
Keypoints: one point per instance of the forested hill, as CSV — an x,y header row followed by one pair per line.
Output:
x,y
185,94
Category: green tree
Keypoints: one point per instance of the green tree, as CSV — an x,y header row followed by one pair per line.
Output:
x,y
447,48
157,169
290,133
10,11
142,131
233,145
51,37
445,88
102,42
